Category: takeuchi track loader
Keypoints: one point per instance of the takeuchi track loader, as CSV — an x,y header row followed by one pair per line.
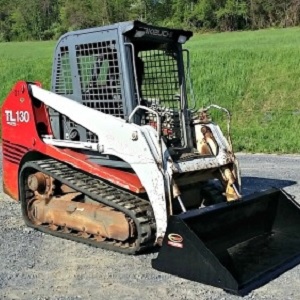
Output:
x,y
113,157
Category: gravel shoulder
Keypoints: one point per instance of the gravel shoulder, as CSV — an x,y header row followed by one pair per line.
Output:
x,y
38,266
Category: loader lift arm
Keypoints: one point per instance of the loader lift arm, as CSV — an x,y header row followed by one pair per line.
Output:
x,y
116,138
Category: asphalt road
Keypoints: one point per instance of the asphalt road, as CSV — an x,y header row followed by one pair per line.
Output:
x,y
38,266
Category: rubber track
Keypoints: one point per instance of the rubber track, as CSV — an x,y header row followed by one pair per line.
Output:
x,y
133,207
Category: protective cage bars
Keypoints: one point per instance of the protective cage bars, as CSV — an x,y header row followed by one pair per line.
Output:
x,y
160,90
99,75
63,80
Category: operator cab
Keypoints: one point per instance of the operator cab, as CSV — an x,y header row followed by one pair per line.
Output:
x,y
116,68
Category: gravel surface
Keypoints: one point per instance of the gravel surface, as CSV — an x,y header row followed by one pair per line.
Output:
x,y
38,266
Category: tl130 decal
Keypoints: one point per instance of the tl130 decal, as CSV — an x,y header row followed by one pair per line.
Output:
x,y
15,117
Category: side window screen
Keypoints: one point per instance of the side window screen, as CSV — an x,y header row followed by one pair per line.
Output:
x,y
85,64
99,75
103,73
63,82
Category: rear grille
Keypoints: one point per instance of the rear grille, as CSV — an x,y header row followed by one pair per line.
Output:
x,y
13,152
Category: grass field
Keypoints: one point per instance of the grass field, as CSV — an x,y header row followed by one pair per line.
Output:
x,y
254,74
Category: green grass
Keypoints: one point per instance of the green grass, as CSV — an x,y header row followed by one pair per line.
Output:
x,y
256,75
29,61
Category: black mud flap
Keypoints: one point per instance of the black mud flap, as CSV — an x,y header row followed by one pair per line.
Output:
x,y
235,246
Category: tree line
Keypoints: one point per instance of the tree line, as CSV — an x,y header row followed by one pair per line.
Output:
x,y
48,19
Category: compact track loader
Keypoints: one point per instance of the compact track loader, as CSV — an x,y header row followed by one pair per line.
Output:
x,y
113,157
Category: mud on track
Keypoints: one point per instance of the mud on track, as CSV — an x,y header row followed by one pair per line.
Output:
x,y
38,266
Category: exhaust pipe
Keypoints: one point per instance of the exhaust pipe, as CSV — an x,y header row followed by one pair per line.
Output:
x,y
237,246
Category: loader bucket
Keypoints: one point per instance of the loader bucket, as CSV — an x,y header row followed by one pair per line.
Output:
x,y
236,246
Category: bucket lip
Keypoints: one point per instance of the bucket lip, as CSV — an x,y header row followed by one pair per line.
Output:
x,y
266,277
228,205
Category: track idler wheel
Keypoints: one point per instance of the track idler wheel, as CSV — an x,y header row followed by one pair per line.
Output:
x,y
41,184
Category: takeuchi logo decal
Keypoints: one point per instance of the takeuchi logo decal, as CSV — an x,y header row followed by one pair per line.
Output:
x,y
175,240
159,32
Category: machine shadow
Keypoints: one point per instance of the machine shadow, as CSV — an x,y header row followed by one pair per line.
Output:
x,y
258,184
